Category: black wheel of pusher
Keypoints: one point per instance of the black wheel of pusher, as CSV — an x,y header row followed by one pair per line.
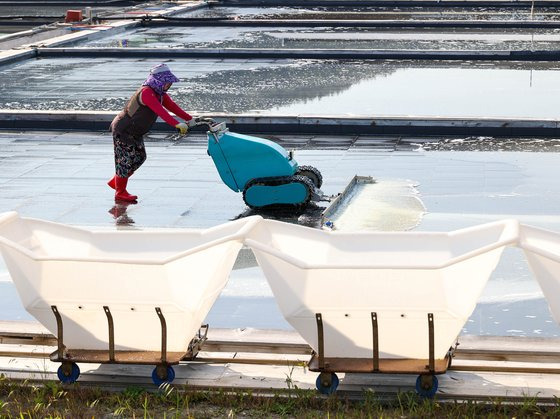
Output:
x,y
163,374
312,173
426,385
326,383
68,372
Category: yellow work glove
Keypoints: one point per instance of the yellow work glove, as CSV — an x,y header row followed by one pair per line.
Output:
x,y
182,128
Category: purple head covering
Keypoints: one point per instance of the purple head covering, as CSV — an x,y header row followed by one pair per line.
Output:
x,y
159,76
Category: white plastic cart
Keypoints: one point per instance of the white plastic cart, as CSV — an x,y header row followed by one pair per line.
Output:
x,y
135,296
542,250
385,302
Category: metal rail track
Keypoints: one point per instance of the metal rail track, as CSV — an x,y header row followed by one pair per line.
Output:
x,y
536,360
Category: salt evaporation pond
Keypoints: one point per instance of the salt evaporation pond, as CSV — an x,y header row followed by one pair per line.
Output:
x,y
308,87
218,36
330,38
378,12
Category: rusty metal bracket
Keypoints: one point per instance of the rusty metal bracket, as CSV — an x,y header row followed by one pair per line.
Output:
x,y
163,336
196,343
375,331
59,332
321,341
431,341
201,335
111,333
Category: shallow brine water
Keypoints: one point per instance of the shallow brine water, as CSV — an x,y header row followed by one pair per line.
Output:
x,y
306,87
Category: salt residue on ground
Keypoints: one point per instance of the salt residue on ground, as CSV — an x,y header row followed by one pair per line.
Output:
x,y
386,205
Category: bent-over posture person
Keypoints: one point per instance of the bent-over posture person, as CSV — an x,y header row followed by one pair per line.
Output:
x,y
136,119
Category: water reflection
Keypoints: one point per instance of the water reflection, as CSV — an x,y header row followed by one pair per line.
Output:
x,y
119,213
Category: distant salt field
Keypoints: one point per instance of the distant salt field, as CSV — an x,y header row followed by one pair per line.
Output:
x,y
332,38
295,87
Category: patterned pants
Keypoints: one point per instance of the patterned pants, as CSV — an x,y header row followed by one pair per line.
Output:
x,y
128,158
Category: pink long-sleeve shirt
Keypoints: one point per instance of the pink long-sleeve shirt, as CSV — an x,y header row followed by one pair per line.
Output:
x,y
149,98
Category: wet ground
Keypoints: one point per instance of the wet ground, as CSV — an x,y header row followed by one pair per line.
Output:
x,y
61,177
272,86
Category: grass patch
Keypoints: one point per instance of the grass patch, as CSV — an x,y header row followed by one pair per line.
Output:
x,y
52,400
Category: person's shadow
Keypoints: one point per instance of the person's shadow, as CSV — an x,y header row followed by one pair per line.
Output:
x,y
118,211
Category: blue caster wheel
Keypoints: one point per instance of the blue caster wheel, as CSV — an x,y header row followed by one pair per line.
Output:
x,y
163,374
68,372
426,386
327,382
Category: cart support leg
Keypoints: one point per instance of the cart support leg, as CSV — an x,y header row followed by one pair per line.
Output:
x,y
163,336
111,333
321,343
375,331
59,332
431,341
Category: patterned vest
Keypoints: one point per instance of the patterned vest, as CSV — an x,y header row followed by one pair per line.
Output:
x,y
134,120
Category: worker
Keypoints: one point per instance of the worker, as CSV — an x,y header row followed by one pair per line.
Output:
x,y
136,119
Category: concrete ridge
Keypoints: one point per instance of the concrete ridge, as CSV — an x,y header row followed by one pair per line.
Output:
x,y
303,124
353,23
385,3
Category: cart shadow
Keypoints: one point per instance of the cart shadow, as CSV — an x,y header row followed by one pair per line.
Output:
x,y
141,374
469,384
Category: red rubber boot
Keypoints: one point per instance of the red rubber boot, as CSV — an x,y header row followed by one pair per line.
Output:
x,y
120,191
112,183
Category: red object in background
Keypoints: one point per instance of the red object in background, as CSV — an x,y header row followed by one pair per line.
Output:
x,y
73,16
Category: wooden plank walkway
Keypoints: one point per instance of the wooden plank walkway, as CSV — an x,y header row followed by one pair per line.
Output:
x,y
265,361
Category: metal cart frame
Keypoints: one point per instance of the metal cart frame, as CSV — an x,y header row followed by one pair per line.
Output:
x,y
68,372
426,383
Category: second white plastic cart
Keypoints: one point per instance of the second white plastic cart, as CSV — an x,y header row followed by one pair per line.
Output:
x,y
542,249
378,301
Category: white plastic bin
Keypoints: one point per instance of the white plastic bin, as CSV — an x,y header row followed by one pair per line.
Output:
x,y
181,271
401,276
542,250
